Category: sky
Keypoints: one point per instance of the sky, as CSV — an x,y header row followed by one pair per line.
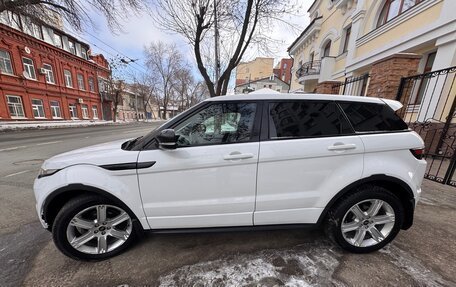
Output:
x,y
140,30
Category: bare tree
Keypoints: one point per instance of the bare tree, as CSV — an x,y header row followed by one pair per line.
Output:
x,y
240,24
164,61
115,89
76,13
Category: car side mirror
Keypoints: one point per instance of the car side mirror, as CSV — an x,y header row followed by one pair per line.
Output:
x,y
167,139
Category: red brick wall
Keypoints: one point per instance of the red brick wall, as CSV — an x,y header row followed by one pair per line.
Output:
x,y
325,87
14,42
285,66
386,74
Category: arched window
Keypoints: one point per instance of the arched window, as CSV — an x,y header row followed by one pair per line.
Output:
x,y
327,49
393,8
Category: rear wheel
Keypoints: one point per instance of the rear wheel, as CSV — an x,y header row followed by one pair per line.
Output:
x,y
93,228
366,220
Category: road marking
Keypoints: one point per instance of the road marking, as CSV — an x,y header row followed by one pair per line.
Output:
x,y
13,148
49,143
17,173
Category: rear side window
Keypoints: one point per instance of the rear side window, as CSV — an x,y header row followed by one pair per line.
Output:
x,y
371,117
306,119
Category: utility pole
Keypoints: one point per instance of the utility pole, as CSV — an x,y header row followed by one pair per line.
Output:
x,y
217,53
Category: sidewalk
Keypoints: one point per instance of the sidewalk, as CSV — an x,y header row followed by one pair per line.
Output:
x,y
27,125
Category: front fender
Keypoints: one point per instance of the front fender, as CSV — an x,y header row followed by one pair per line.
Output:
x,y
121,185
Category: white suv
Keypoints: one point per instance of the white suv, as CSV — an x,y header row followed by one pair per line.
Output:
x,y
245,161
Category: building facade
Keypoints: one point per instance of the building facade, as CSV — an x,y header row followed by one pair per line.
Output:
x,y
47,74
273,82
376,41
132,105
283,70
256,69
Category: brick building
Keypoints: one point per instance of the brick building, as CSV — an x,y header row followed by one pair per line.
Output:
x,y
47,74
283,70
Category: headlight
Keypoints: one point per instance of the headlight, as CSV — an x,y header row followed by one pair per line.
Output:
x,y
47,172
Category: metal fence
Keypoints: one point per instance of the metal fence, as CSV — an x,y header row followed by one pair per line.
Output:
x,y
354,86
429,109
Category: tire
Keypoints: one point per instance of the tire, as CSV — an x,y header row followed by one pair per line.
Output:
x,y
354,224
79,233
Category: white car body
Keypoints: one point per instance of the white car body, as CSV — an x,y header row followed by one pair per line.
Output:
x,y
290,181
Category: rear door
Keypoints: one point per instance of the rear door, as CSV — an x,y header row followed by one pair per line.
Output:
x,y
309,153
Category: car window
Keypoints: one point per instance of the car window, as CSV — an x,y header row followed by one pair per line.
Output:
x,y
218,124
306,119
369,117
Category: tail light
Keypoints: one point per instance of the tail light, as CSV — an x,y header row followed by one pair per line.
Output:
x,y
418,153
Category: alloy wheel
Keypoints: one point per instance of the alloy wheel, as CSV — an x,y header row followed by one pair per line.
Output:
x,y
99,229
368,222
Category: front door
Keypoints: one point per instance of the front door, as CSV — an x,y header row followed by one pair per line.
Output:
x,y
209,180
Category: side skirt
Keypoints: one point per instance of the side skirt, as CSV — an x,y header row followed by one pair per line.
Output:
x,y
234,228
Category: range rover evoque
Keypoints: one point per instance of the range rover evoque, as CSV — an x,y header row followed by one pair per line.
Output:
x,y
247,161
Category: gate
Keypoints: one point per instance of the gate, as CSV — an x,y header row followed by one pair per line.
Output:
x,y
354,86
429,109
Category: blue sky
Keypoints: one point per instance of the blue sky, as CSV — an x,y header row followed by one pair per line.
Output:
x,y
140,30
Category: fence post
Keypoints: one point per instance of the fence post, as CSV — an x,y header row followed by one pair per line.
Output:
x,y
345,85
400,90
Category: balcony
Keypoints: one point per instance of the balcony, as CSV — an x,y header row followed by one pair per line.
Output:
x,y
308,71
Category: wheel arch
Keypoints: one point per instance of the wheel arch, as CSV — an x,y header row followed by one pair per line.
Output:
x,y
58,198
397,186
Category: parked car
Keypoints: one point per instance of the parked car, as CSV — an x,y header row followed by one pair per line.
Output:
x,y
245,161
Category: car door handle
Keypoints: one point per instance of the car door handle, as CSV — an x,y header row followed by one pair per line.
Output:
x,y
341,146
237,155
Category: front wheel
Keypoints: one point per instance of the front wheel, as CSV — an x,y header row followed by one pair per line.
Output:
x,y
366,220
92,228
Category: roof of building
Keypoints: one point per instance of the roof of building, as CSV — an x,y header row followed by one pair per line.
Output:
x,y
303,32
262,79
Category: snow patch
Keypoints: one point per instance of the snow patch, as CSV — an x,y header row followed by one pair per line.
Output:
x,y
413,267
292,267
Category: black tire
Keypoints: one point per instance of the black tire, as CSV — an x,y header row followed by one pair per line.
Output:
x,y
72,208
363,193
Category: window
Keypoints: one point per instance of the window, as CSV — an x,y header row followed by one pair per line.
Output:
x,y
68,79
55,110
306,119
37,107
73,111
58,41
15,106
84,53
29,69
347,39
85,111
5,63
48,35
327,49
37,31
218,124
71,47
91,84
393,8
370,117
81,85
95,112
49,73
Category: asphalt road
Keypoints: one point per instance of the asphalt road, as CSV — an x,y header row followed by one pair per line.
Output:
x,y
421,256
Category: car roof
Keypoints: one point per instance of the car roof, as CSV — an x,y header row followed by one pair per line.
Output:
x,y
287,96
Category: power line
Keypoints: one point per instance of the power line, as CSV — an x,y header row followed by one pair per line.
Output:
x,y
106,44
